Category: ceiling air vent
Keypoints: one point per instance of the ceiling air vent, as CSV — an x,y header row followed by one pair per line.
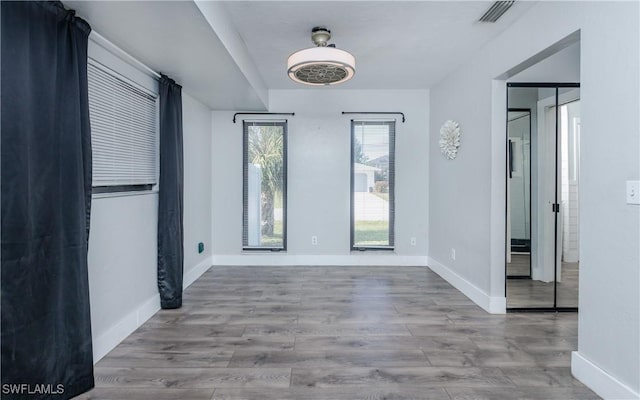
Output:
x,y
496,11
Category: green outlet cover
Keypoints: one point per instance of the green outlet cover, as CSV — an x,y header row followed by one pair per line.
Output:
x,y
200,247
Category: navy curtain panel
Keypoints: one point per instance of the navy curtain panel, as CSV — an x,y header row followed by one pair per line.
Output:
x,y
45,206
170,202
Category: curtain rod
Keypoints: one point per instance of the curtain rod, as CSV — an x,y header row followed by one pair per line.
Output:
x,y
375,113
259,113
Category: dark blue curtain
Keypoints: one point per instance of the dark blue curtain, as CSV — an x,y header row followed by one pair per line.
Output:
x,y
46,197
170,202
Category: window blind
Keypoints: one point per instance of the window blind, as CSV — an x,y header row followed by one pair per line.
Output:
x,y
123,130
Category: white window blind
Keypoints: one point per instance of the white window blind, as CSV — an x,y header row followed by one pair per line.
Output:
x,y
123,130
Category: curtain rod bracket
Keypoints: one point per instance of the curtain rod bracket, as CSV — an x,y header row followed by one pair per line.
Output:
x,y
375,112
259,113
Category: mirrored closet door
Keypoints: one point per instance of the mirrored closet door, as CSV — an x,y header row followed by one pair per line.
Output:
x,y
543,147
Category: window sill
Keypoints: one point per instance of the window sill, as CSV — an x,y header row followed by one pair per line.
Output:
x,y
249,250
355,250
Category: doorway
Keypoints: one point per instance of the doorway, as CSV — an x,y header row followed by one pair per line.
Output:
x,y
542,179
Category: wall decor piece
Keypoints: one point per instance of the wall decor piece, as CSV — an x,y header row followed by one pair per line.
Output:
x,y
449,139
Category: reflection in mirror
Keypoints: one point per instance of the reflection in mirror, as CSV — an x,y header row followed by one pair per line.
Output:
x,y
519,131
568,218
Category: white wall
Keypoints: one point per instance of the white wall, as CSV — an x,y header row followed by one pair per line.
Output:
x,y
469,215
196,124
123,240
563,66
319,178
609,228
122,267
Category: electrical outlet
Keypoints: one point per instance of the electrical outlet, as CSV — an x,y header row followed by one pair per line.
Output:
x,y
453,254
314,240
413,241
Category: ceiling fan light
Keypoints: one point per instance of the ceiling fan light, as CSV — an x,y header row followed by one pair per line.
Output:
x,y
320,66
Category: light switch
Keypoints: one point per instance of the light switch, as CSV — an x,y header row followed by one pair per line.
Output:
x,y
633,192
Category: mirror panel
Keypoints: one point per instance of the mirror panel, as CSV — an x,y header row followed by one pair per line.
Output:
x,y
531,129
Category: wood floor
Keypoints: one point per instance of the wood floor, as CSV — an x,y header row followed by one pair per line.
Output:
x,y
339,333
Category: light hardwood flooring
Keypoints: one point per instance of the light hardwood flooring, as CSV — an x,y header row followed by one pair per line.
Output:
x,y
339,333
528,293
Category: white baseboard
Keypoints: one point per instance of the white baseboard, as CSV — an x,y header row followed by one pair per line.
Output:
x,y
598,380
497,305
106,342
196,272
493,305
275,259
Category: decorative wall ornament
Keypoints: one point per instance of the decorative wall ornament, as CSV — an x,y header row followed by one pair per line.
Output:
x,y
449,139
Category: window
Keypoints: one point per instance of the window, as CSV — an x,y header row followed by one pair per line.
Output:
x,y
265,185
123,132
372,184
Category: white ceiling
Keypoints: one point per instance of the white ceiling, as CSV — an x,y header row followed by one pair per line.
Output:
x,y
397,44
228,53
174,38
